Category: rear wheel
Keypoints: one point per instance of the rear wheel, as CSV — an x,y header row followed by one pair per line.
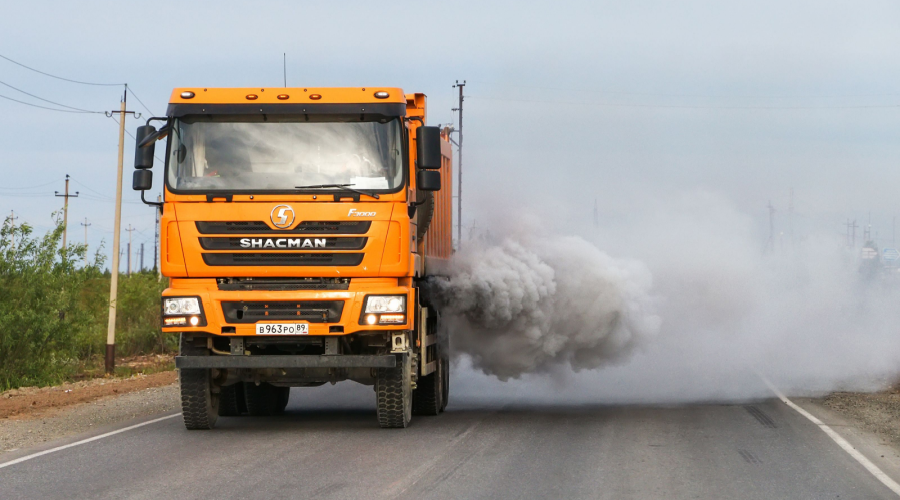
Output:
x,y
394,394
284,395
428,398
231,401
262,400
199,401
445,393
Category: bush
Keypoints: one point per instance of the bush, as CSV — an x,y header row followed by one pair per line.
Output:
x,y
137,318
53,314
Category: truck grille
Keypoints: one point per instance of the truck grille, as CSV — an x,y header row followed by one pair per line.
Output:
x,y
283,259
313,311
306,227
282,284
281,244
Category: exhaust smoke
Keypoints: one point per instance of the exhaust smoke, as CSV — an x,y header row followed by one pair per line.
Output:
x,y
527,305
700,309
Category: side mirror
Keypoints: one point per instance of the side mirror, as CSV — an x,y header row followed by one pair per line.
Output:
x,y
143,155
428,180
428,146
142,180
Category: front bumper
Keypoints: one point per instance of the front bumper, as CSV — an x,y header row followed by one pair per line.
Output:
x,y
217,323
237,362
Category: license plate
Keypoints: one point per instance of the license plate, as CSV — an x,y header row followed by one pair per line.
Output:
x,y
282,328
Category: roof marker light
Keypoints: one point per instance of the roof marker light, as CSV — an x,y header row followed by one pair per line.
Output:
x,y
315,97
252,97
381,95
283,96
187,95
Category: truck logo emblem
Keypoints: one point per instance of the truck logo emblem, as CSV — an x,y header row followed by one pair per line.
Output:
x,y
282,216
354,213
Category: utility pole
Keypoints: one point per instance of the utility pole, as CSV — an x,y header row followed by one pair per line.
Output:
x,y
459,163
848,234
142,258
771,244
156,239
12,226
117,227
66,209
130,230
85,224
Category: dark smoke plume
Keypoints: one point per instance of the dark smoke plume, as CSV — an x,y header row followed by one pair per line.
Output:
x,y
523,306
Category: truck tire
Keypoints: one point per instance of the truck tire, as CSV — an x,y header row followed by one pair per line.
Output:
x,y
231,401
393,392
284,395
262,400
428,396
199,404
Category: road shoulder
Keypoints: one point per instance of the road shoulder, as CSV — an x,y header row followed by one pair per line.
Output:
x,y
880,448
93,406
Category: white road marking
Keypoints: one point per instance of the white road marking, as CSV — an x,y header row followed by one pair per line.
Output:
x,y
83,441
853,452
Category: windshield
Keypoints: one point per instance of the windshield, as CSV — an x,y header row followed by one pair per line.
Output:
x,y
259,153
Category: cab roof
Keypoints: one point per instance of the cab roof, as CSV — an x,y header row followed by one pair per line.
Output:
x,y
388,101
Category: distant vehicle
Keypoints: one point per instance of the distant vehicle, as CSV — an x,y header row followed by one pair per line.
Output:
x,y
297,227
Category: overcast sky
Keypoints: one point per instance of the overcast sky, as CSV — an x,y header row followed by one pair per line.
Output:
x,y
606,102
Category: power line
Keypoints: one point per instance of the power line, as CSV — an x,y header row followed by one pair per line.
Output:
x,y
708,96
45,107
679,106
47,100
85,186
30,187
139,100
59,77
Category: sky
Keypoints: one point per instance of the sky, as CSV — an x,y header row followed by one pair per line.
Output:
x,y
568,105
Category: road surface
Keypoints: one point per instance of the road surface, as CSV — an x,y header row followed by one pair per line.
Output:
x,y
328,445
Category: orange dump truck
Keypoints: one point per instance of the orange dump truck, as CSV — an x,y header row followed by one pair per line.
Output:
x,y
297,227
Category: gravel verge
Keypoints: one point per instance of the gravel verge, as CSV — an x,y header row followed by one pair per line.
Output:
x,y
87,406
876,412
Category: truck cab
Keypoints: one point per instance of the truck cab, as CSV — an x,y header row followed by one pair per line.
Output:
x,y
298,228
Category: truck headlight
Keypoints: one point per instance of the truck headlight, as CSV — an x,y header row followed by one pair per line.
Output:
x,y
182,311
181,306
385,304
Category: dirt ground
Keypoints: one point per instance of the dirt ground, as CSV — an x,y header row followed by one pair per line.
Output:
x,y
33,401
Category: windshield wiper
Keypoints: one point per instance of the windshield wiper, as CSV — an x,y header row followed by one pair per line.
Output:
x,y
345,187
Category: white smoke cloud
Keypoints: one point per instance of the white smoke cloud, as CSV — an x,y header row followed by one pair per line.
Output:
x,y
526,305
727,309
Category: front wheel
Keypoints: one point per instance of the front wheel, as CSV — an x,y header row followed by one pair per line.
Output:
x,y
199,400
393,390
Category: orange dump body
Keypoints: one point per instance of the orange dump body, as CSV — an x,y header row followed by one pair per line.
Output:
x,y
256,256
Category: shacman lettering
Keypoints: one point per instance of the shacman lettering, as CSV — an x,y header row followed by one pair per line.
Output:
x,y
282,242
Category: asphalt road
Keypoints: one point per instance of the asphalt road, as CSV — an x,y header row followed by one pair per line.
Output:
x,y
328,446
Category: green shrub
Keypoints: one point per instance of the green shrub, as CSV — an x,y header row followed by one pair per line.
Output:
x,y
54,309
